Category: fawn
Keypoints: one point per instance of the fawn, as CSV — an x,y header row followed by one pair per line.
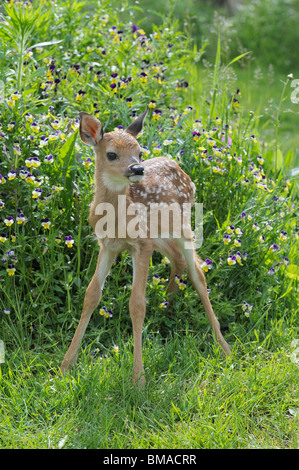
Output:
x,y
120,173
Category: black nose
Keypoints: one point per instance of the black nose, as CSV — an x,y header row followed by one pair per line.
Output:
x,y
137,169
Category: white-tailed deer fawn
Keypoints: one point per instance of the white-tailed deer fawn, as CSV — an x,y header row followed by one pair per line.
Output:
x,y
122,178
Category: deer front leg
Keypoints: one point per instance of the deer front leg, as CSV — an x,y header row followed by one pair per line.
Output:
x,y
141,259
91,301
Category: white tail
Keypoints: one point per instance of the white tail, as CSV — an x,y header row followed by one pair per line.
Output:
x,y
137,192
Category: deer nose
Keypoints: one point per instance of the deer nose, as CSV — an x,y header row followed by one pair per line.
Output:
x,y
136,169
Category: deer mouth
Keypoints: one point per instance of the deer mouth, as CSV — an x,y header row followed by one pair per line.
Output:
x,y
135,173
135,178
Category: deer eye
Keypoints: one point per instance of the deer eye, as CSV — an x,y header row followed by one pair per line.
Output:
x,y
111,156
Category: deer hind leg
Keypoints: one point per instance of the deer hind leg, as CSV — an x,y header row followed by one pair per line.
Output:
x,y
197,278
91,301
171,250
141,258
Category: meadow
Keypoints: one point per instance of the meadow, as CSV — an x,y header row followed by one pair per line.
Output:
x,y
227,118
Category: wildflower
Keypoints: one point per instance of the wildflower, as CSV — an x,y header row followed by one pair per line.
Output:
x,y
260,160
29,117
87,163
116,349
285,260
271,271
11,269
237,242
20,218
9,221
231,260
226,239
239,258
182,284
36,193
80,95
12,174
206,265
49,159
13,237
253,138
11,125
239,231
156,114
2,179
6,311
10,102
177,278
156,279
1,204
246,308
103,311
269,226
283,236
69,241
274,247
56,124
3,237
113,88
230,229
152,104
255,227
16,96
46,223
163,304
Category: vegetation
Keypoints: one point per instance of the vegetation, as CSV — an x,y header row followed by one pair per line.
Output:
x,y
55,60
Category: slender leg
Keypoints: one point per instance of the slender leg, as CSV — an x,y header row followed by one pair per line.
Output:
x,y
91,301
199,283
141,259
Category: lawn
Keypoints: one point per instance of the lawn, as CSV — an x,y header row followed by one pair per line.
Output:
x,y
230,123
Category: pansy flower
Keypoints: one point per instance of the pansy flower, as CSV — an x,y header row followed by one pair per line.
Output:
x,y
6,311
156,279
230,229
116,349
20,218
163,304
283,236
156,114
255,227
49,159
231,260
11,125
69,241
1,204
16,96
274,248
9,220
87,163
46,223
182,284
11,175
36,193
11,269
247,308
3,237
206,265
237,242
226,239
239,258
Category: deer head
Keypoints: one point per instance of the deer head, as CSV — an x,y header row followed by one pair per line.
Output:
x,y
118,153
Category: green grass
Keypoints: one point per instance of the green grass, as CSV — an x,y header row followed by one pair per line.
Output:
x,y
191,400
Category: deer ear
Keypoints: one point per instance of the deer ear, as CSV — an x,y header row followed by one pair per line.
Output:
x,y
136,126
91,130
